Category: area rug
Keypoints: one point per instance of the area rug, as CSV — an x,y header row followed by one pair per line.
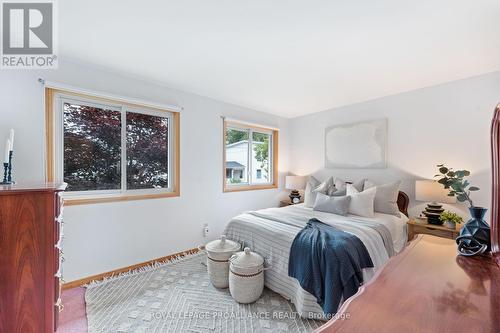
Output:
x,y
178,297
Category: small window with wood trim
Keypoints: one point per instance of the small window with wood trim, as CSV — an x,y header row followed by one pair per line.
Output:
x,y
250,157
107,150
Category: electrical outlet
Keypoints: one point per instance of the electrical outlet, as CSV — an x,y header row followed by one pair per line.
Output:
x,y
206,230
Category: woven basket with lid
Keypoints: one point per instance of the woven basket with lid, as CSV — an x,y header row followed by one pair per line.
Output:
x,y
218,253
246,276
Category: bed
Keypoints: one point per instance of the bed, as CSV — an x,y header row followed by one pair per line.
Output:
x,y
270,232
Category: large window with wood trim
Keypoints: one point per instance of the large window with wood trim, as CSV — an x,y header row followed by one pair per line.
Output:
x,y
250,157
107,150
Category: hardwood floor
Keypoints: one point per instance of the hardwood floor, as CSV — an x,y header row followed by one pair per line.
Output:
x,y
73,318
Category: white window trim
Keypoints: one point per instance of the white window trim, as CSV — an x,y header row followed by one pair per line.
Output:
x,y
60,98
250,130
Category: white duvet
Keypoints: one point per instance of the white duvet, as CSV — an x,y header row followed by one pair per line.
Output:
x,y
397,225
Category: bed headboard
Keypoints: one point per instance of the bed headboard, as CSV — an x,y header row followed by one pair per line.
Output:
x,y
403,202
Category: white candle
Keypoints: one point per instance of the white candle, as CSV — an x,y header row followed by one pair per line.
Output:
x,y
11,139
7,150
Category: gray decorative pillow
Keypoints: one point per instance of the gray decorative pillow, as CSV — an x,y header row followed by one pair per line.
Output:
x,y
340,185
332,189
325,187
338,193
309,194
369,184
333,205
386,198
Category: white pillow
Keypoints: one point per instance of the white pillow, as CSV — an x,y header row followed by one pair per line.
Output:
x,y
309,194
361,202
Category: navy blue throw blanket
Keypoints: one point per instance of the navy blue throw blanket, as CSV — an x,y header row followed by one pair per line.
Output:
x,y
328,263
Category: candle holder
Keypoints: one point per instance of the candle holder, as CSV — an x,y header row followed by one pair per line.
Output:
x,y
9,176
5,181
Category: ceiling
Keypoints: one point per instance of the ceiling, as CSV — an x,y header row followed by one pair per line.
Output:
x,y
288,58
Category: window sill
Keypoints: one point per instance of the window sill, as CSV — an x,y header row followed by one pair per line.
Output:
x,y
69,201
236,188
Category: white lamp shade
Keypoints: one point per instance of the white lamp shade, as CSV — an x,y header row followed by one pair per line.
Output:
x,y
432,191
295,182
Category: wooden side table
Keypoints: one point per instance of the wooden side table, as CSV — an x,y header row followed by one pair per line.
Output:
x,y
415,228
287,202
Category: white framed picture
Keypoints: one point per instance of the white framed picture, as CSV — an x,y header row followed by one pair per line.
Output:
x,y
361,145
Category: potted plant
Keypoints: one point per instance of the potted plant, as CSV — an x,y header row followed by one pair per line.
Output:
x,y
475,234
450,219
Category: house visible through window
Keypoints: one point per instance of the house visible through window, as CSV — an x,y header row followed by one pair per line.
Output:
x,y
249,157
113,148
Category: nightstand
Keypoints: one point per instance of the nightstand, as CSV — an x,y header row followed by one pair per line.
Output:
x,y
287,202
415,228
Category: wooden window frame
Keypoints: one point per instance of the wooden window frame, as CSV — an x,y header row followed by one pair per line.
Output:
x,y
50,139
274,163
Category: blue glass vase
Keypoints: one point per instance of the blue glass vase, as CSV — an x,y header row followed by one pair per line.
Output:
x,y
474,236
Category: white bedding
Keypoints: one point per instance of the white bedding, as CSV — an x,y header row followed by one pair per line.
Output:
x,y
270,232
396,225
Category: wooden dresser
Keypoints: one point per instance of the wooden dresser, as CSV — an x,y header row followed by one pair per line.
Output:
x,y
30,254
427,288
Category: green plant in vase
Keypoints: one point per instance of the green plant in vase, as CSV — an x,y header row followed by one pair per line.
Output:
x,y
450,219
475,234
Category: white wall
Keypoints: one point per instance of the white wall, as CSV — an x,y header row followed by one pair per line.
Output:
x,y
449,123
103,237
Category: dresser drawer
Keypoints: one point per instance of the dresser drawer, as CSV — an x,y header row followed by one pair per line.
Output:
x,y
59,206
59,235
57,262
58,307
57,288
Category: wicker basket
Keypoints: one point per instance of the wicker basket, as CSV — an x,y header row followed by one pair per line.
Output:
x,y
246,276
218,253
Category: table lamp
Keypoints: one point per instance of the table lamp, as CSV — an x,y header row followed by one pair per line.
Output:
x,y
295,183
434,193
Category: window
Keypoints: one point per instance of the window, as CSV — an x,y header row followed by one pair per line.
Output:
x,y
109,151
147,151
92,147
250,157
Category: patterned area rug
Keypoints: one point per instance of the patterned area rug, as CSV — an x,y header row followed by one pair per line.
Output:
x,y
178,297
